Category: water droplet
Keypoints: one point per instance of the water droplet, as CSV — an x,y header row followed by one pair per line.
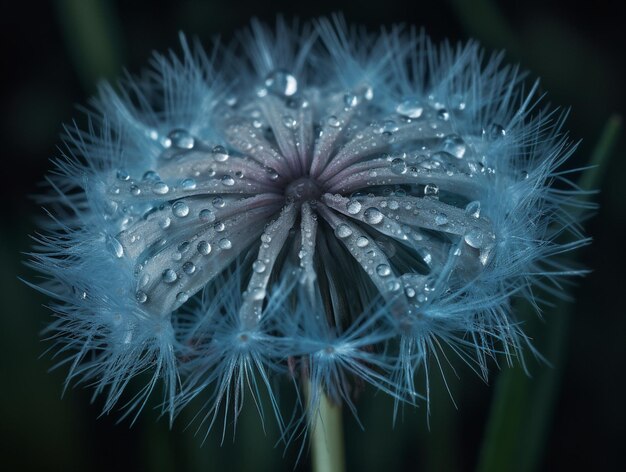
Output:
x,y
181,139
333,121
189,267
182,297
353,207
188,184
409,291
393,285
454,145
204,248
141,296
134,190
289,122
362,241
271,173
218,202
165,222
473,209
443,114
220,154
160,188
383,270
495,131
350,100
122,175
114,246
183,247
228,180
475,238
398,166
169,276
258,266
180,209
144,280
441,219
225,243
410,108
343,231
266,238
373,216
257,294
219,226
431,190
281,82
207,215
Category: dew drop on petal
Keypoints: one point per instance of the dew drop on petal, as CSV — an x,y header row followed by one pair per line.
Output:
x,y
220,154
258,266
441,219
182,297
281,82
333,121
410,108
122,175
373,216
289,122
114,246
473,209
495,131
225,243
343,231
160,188
398,166
362,241
135,190
207,215
141,296
454,144
383,270
180,209
188,184
169,276
218,202
165,222
181,139
431,190
353,207
189,267
204,248
228,180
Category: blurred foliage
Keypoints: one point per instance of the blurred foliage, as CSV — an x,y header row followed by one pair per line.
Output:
x,y
57,54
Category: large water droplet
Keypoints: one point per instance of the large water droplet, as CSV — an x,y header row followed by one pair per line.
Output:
x,y
410,108
207,216
373,216
473,209
204,248
431,190
281,82
122,175
343,231
398,166
188,184
383,270
225,243
362,241
228,180
181,139
114,246
258,266
180,209
189,267
169,276
441,219
160,188
141,296
220,154
353,207
454,144
218,202
182,297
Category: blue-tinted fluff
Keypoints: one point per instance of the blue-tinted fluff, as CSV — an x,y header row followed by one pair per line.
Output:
x,y
312,203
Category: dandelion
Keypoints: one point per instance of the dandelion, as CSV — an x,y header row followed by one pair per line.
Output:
x,y
314,203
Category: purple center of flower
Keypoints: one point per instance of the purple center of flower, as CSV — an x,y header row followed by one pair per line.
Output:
x,y
302,190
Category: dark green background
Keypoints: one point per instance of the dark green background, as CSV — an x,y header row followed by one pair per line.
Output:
x,y
54,52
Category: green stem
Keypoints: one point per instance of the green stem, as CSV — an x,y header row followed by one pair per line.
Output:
x,y
327,443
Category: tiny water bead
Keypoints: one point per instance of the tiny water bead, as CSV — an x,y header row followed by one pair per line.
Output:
x,y
220,154
160,188
354,206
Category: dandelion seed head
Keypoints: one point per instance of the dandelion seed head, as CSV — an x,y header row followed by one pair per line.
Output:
x,y
312,203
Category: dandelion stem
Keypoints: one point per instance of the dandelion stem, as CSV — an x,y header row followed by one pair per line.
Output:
x,y
327,442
